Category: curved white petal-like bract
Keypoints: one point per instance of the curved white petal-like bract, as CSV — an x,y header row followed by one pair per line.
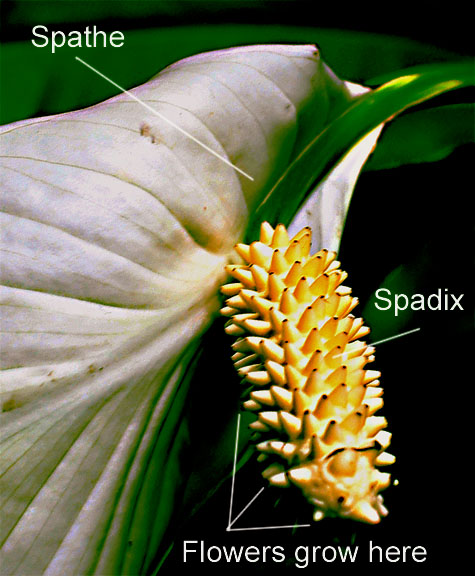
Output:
x,y
115,230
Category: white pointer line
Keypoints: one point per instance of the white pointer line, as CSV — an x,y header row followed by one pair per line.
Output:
x,y
394,337
231,522
381,341
164,118
268,527
244,509
234,471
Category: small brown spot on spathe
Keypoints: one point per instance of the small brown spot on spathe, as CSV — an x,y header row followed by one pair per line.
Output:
x,y
146,132
144,129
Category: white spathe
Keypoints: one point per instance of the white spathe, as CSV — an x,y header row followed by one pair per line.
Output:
x,y
115,228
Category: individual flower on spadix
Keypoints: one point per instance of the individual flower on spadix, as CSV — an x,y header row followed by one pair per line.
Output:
x,y
116,229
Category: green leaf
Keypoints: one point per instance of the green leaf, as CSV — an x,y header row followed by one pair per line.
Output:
x,y
369,111
424,136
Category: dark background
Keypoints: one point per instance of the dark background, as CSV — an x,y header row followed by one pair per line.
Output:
x,y
444,25
416,219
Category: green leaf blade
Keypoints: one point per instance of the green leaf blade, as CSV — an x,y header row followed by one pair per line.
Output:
x,y
424,136
369,111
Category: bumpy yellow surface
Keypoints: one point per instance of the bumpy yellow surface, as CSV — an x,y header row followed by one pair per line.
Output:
x,y
298,350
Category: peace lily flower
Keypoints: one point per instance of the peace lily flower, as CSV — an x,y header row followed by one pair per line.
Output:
x,y
116,228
